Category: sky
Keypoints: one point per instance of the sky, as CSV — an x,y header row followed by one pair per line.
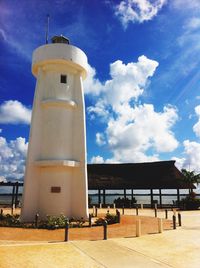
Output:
x,y
142,93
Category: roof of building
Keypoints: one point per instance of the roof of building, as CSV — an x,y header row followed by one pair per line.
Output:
x,y
151,175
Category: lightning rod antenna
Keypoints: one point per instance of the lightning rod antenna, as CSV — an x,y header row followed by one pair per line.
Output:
x,y
47,29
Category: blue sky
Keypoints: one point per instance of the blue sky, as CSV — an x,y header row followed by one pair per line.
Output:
x,y
142,93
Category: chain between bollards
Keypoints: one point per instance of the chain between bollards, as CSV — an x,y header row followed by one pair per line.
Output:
x,y
67,232
105,224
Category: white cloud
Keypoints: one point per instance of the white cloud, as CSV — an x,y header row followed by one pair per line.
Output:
x,y
192,24
138,10
14,112
133,133
97,160
91,84
191,159
12,158
130,137
127,83
184,5
196,127
100,139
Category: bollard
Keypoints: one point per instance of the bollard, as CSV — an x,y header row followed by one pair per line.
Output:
x,y
96,211
155,205
179,219
93,211
118,215
138,228
141,206
108,207
155,212
12,209
67,231
174,221
100,205
166,214
105,230
137,210
174,211
114,206
160,225
36,220
90,220
123,210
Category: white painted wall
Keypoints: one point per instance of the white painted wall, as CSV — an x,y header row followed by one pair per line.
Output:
x,y
57,143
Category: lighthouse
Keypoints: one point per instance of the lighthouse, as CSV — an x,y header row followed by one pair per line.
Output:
x,y
56,171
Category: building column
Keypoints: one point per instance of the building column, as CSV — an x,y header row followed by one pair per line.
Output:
x,y
13,196
132,195
104,196
178,197
151,193
124,193
16,194
160,196
99,196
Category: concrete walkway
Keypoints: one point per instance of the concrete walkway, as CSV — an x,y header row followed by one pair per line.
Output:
x,y
178,248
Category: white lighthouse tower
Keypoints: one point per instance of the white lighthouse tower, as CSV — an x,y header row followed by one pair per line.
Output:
x,y
56,171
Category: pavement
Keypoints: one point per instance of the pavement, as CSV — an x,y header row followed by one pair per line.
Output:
x,y
178,248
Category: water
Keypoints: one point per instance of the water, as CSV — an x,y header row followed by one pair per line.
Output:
x,y
142,196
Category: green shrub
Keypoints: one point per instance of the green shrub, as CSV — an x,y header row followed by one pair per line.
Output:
x,y
190,202
127,203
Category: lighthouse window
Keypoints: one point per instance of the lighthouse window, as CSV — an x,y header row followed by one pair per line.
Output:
x,y
63,79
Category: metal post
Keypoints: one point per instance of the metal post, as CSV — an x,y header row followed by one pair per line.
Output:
x,y
166,214
114,206
36,220
105,230
179,219
100,205
67,231
90,220
174,221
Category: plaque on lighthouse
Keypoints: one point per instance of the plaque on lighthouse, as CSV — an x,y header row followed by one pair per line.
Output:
x,y
56,171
